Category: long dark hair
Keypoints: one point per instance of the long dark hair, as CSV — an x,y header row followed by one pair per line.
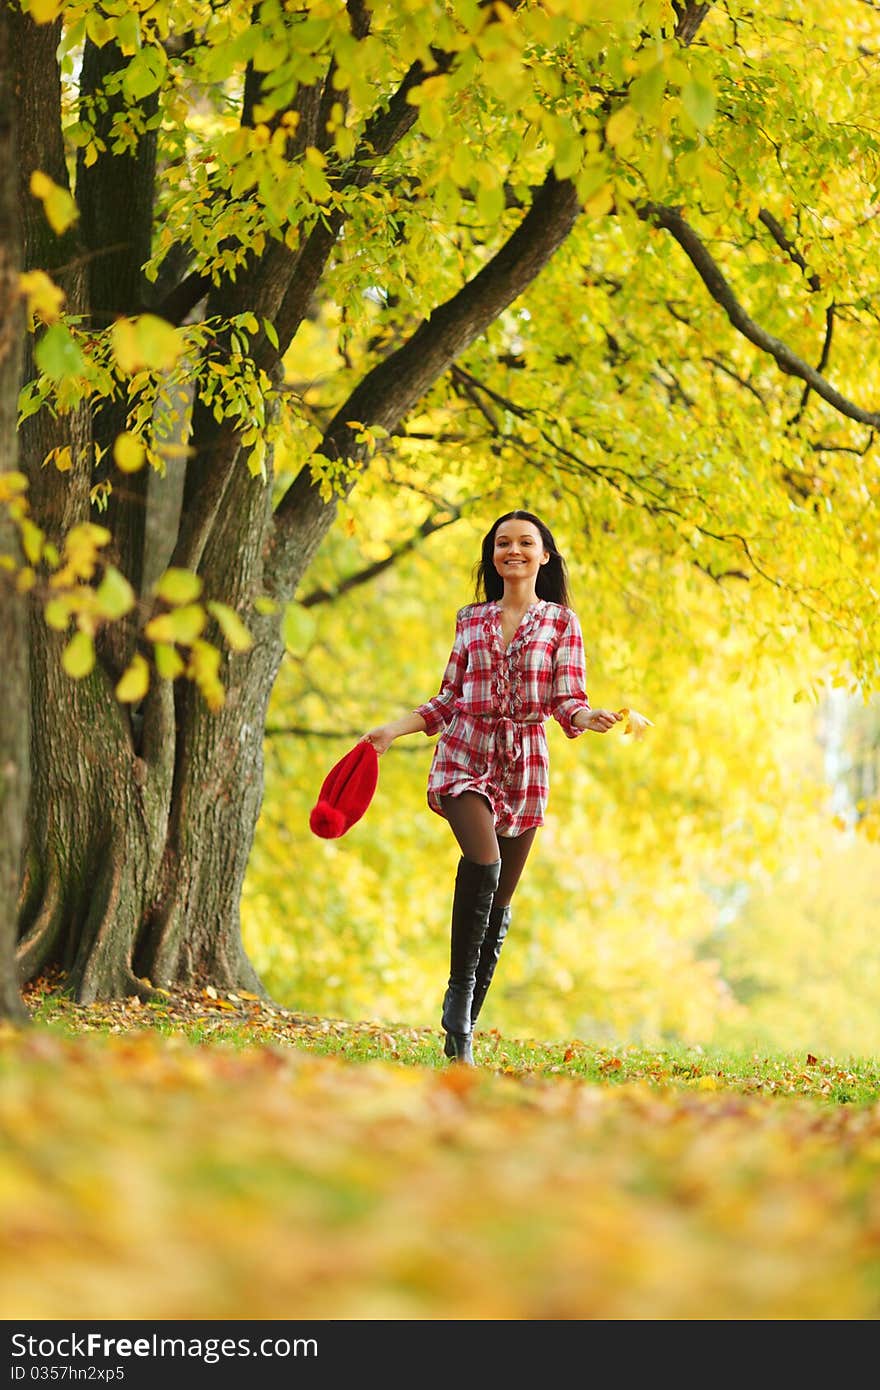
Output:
x,y
552,578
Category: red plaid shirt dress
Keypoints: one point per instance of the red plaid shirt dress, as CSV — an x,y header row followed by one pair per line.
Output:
x,y
492,705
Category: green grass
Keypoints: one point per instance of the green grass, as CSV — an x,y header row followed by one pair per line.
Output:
x,y
833,1080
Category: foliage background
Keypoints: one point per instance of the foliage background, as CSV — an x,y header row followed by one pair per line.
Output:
x,y
720,518
700,885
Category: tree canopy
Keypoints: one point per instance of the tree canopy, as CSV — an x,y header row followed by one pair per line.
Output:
x,y
616,263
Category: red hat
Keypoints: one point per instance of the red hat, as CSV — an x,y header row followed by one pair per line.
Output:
x,y
346,792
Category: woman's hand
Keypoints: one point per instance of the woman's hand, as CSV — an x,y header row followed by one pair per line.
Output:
x,y
598,721
381,738
385,734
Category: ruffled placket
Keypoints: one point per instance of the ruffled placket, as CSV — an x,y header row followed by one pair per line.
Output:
x,y
507,677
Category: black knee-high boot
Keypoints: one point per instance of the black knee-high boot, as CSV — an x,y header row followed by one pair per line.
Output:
x,y
475,886
496,931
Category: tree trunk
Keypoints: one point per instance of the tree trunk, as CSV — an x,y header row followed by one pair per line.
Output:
x,y
140,822
13,668
195,930
96,831
100,784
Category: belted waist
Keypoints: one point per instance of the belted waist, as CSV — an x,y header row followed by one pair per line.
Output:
x,y
502,718
506,746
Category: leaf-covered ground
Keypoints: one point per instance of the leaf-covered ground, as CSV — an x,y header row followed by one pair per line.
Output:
x,y
208,1157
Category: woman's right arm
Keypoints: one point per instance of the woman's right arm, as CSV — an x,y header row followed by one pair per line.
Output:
x,y
385,735
430,717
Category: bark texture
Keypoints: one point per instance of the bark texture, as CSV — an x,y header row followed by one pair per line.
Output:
x,y
14,772
96,816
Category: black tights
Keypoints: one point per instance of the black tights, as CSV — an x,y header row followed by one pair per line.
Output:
x,y
473,826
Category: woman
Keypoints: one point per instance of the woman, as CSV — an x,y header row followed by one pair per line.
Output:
x,y
518,657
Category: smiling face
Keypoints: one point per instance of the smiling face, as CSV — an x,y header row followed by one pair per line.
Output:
x,y
518,552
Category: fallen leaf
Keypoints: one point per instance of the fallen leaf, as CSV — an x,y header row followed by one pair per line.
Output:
x,y
636,724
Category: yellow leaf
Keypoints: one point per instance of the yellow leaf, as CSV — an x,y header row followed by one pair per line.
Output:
x,y
636,724
12,484
58,205
81,552
134,682
129,453
297,627
44,11
44,297
147,342
78,656
203,668
41,185
57,614
622,127
601,202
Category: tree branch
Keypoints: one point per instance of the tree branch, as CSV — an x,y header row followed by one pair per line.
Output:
x,y
382,133
280,286
734,376
820,366
813,280
363,576
183,298
778,234
709,272
689,17
390,390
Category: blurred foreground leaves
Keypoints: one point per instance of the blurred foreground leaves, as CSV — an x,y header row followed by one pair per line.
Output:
x,y
145,1176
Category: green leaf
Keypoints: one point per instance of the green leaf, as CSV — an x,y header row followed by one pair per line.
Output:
x,y
58,354
128,33
297,628
698,101
271,332
144,73
179,586
115,596
31,539
57,614
237,635
78,657
169,662
182,625
646,93
490,203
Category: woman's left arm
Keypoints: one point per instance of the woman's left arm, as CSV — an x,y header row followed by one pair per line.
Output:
x,y
569,705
